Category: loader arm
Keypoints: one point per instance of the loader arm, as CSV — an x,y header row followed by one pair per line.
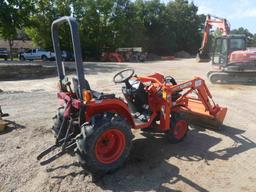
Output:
x,y
203,93
203,105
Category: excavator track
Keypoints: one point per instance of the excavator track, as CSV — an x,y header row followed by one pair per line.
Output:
x,y
221,77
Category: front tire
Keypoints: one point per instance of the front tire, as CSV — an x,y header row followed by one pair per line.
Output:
x,y
178,129
107,147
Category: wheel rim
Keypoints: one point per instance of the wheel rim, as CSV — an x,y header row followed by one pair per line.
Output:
x,y
110,146
180,129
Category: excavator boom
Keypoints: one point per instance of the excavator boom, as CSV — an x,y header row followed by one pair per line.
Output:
x,y
221,24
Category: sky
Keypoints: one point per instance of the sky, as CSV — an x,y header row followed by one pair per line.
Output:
x,y
240,13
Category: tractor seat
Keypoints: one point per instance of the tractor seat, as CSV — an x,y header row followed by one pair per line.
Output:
x,y
95,94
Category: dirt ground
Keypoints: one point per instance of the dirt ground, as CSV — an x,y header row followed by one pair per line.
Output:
x,y
206,160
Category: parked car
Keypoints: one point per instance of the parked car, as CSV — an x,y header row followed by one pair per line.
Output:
x,y
37,54
4,53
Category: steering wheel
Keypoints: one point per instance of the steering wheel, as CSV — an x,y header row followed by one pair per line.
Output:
x,y
123,76
170,79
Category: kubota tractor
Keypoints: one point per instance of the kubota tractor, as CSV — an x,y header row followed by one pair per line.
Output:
x,y
98,126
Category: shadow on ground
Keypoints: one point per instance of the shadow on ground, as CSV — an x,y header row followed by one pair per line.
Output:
x,y
49,70
93,68
68,166
10,126
148,167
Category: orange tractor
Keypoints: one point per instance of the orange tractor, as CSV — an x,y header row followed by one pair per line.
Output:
x,y
232,61
98,126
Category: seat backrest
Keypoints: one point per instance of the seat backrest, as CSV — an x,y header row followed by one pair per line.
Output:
x,y
76,86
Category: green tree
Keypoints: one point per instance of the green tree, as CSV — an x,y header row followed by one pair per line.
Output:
x,y
127,25
102,24
155,20
14,16
157,27
186,25
45,12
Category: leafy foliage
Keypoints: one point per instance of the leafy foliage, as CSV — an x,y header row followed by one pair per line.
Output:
x,y
108,24
14,15
186,25
159,28
41,19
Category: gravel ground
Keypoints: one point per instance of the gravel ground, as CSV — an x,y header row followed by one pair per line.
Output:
x,y
206,160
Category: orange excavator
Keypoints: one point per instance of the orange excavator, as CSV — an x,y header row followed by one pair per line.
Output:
x,y
232,61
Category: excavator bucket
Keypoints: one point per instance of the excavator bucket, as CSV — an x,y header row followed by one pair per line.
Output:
x,y
197,114
203,58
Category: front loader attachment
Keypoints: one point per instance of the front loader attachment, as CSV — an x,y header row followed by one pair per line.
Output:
x,y
196,114
197,104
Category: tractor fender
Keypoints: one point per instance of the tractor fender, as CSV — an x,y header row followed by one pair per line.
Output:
x,y
109,105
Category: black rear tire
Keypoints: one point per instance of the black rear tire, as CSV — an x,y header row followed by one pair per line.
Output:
x,y
87,145
178,129
58,119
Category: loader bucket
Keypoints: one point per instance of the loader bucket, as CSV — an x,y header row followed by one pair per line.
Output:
x,y
199,116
